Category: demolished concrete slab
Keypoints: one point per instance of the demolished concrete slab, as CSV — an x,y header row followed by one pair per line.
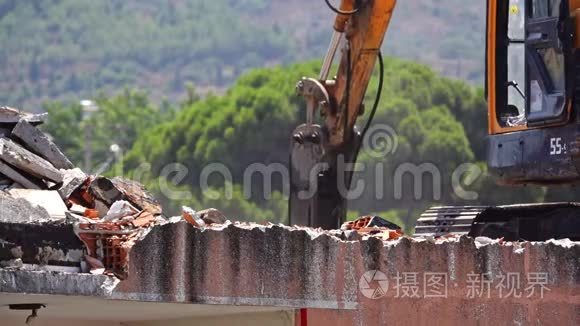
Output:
x,y
104,190
12,116
137,194
89,213
30,233
5,132
27,161
14,175
245,264
40,144
18,210
73,179
48,200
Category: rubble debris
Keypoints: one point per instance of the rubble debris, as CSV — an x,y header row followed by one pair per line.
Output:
x,y
212,216
12,264
77,209
138,195
143,219
485,241
193,218
103,189
5,132
27,182
27,161
90,215
12,116
73,179
101,207
19,210
119,210
375,226
564,243
47,199
106,241
108,229
36,141
96,266
369,222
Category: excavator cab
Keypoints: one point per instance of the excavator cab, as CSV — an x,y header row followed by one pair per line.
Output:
x,y
531,90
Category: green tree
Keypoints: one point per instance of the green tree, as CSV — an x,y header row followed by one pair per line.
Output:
x,y
120,120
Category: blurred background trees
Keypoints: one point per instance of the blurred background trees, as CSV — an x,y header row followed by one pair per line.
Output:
x,y
71,49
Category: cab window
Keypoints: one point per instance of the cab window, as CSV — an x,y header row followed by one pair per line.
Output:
x,y
514,114
546,63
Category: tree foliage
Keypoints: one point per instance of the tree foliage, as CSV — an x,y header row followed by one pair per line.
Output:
x,y
119,120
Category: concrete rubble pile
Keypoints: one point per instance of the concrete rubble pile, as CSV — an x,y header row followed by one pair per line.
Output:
x,y
373,226
47,205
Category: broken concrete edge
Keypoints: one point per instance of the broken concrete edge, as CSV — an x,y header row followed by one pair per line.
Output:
x,y
25,160
73,179
146,284
338,236
341,236
345,235
39,143
56,283
20,210
102,286
19,178
11,116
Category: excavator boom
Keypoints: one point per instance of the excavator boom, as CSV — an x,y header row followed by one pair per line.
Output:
x,y
321,154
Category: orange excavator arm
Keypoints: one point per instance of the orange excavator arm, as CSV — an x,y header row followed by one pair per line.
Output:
x,y
364,32
320,153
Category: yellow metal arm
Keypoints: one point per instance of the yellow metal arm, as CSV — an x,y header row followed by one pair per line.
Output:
x,y
364,32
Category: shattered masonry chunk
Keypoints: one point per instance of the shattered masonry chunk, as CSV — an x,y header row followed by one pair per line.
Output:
x,y
12,116
120,209
72,180
104,190
25,160
138,195
369,221
212,216
193,218
48,199
20,178
40,144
